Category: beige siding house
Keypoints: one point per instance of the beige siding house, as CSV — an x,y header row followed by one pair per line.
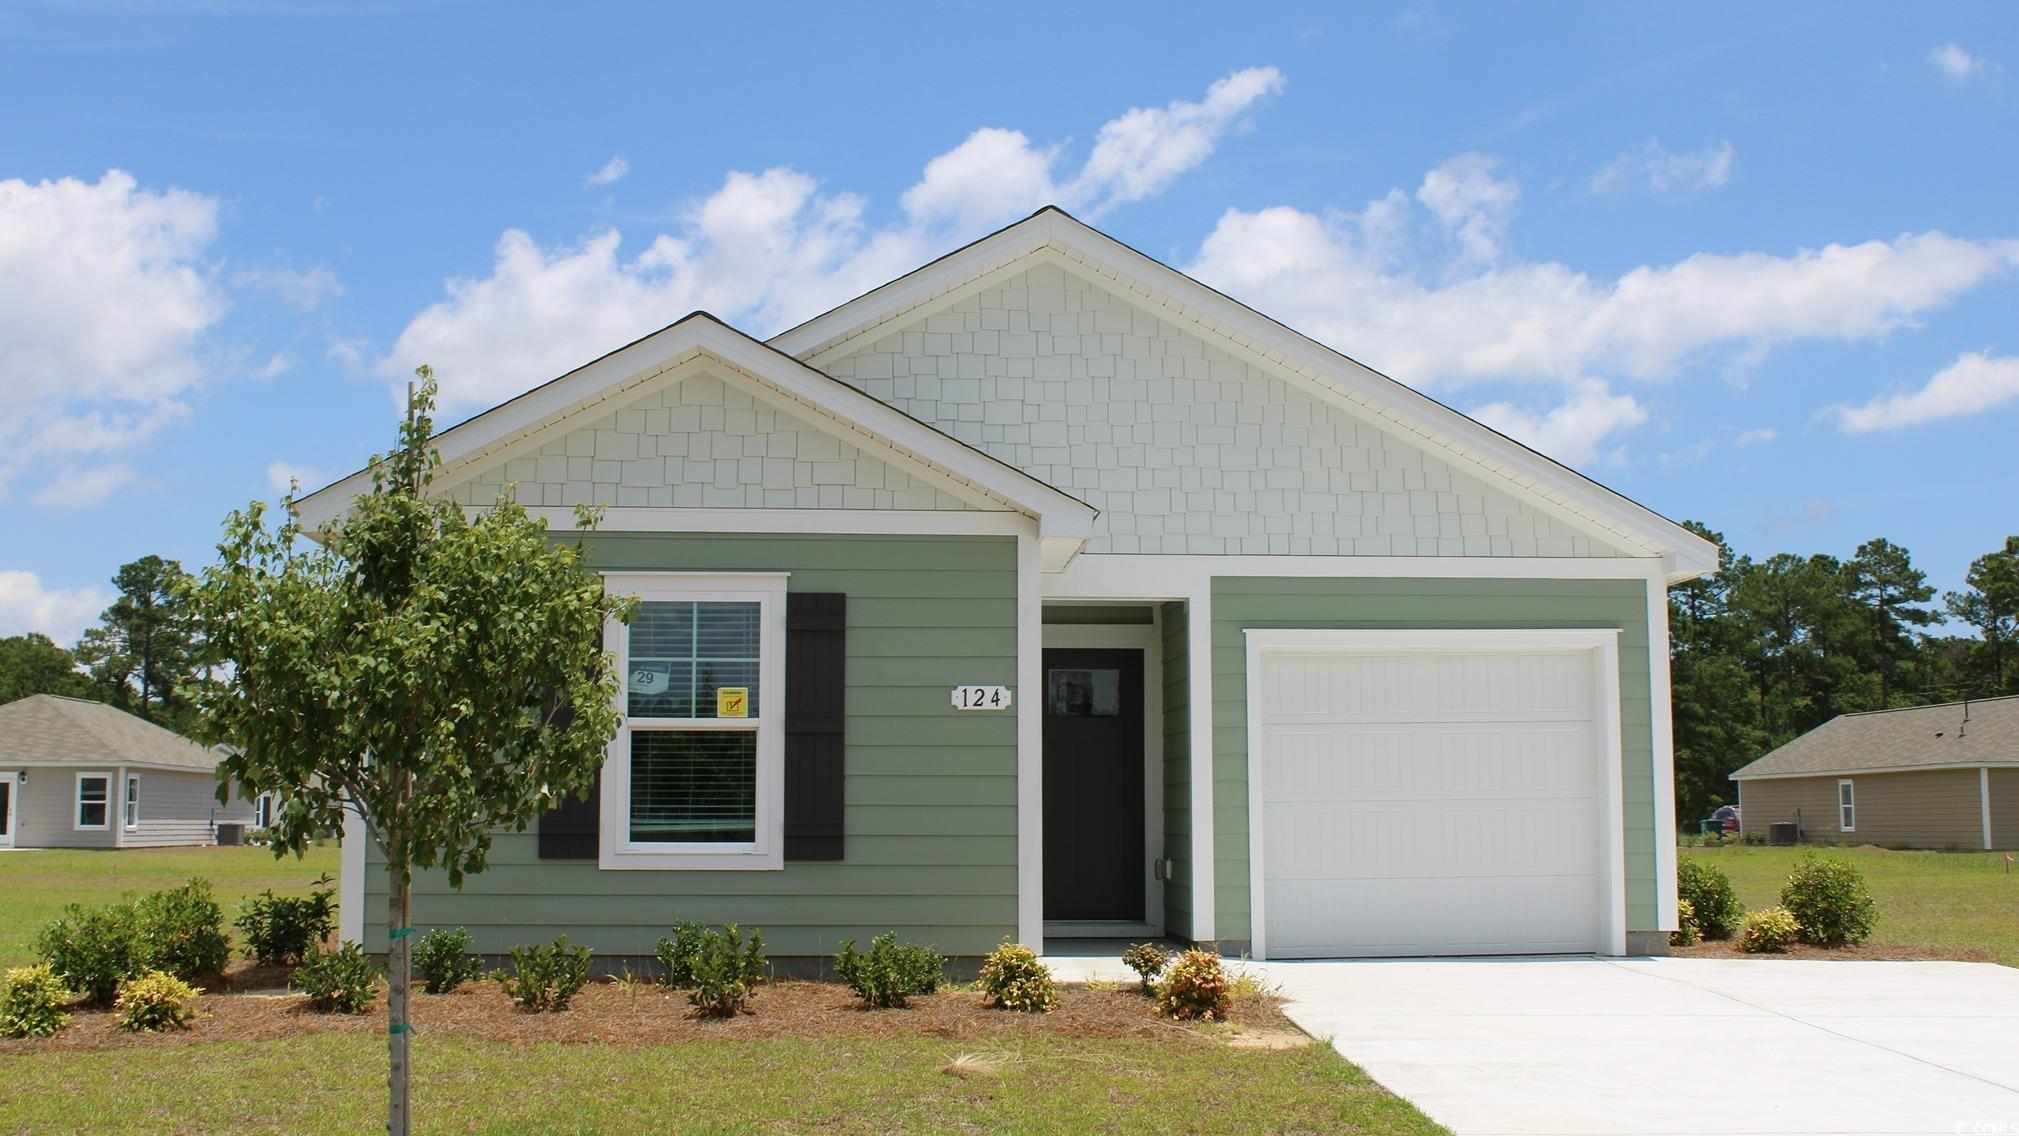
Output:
x,y
1944,776
80,774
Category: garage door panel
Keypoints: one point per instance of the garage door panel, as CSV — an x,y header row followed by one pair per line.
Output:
x,y
1354,762
1419,687
1504,914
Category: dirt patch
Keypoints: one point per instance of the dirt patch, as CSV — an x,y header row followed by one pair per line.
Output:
x,y
610,1014
1863,952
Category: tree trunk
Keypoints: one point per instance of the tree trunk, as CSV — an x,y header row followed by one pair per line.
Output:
x,y
399,966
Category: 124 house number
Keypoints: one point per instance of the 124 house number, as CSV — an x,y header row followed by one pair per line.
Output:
x,y
981,697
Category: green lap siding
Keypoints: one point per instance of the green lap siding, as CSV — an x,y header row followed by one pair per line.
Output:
x,y
1244,603
930,792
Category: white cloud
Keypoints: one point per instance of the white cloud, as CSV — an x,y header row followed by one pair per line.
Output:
x,y
1954,63
303,290
60,613
1571,431
1975,382
83,487
1652,168
1755,437
280,475
612,170
768,249
1815,511
1473,204
107,299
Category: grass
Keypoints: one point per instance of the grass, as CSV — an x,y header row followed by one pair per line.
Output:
x,y
1937,901
858,1084
35,885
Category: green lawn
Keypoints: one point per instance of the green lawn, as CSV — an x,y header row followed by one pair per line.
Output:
x,y
35,885
1939,901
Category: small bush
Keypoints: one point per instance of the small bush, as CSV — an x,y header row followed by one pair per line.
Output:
x,y
182,931
93,949
546,978
1768,931
889,974
1829,901
286,928
154,1001
1688,932
726,970
677,954
443,960
1013,979
338,981
31,1002
1710,894
1194,985
1147,960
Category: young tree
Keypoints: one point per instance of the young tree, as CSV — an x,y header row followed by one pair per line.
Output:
x,y
34,664
1883,579
143,654
437,676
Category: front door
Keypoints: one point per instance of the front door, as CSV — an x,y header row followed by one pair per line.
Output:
x,y
8,782
1093,785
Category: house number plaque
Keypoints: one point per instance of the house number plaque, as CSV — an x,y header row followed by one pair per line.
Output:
x,y
981,697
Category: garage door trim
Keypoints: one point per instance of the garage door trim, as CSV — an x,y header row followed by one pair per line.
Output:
x,y
1602,643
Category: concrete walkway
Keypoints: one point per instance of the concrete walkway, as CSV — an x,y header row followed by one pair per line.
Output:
x,y
1581,1045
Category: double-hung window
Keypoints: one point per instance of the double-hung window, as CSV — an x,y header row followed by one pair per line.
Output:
x,y
1847,807
132,801
695,776
94,800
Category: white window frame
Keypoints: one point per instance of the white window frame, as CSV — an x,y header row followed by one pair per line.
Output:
x,y
77,801
130,806
1847,805
262,811
616,851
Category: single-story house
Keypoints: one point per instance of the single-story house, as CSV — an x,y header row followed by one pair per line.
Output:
x,y
1047,592
82,774
1943,776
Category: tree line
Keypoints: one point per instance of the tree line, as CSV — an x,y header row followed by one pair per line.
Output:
x,y
1765,650
142,656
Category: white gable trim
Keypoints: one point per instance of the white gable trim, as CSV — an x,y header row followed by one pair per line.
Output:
x,y
880,428
1057,238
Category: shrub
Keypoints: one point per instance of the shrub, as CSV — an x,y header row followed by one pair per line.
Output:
x,y
182,931
1194,985
1710,894
286,928
1768,931
93,949
889,974
156,1000
726,970
1829,901
31,1002
677,954
444,960
1688,932
546,978
340,980
1013,979
1147,960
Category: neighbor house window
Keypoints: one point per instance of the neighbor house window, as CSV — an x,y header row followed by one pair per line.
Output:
x,y
262,811
696,771
94,799
1847,808
132,800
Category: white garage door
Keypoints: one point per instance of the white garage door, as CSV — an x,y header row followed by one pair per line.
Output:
x,y
1429,802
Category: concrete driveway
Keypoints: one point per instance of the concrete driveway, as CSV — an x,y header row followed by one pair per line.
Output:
x,y
1676,1045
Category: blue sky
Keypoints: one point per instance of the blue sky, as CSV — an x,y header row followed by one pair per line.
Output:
x,y
1758,269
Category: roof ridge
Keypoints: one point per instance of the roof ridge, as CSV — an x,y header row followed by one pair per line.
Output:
x,y
1960,702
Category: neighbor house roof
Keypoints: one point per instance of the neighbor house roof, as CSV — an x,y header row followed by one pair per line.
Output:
x,y
1978,732
49,729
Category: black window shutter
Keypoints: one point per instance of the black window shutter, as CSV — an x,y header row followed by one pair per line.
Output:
x,y
568,830
816,687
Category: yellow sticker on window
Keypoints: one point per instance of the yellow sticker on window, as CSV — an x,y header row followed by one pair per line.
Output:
x,y
732,702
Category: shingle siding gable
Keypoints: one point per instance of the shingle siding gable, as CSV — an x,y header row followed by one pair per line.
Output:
x,y
1183,447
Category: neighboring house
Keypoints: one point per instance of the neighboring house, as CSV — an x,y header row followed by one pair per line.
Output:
x,y
80,774
1942,776
1062,595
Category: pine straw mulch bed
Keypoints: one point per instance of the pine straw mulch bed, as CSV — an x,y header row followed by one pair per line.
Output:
x,y
1862,952
609,1014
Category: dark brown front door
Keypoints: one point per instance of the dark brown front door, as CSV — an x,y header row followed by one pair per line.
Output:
x,y
1093,785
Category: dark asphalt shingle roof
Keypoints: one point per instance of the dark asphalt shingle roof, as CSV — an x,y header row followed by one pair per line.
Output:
x,y
50,727
1901,739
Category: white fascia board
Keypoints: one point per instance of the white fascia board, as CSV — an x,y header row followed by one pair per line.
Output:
x,y
1328,639
889,429
1311,364
1104,575
1942,768
863,522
